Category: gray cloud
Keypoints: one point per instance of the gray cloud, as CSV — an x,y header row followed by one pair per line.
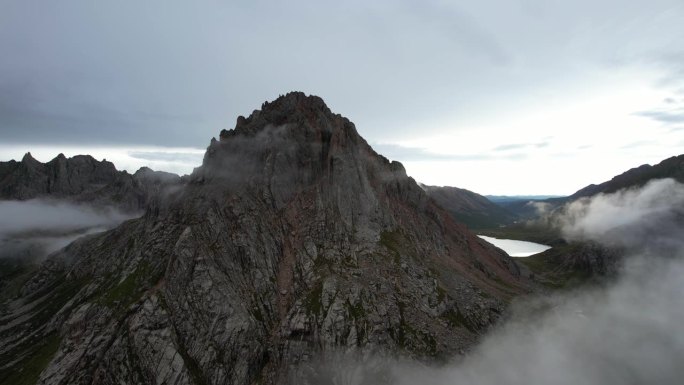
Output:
x,y
35,228
640,143
462,30
540,208
668,117
175,78
519,146
652,215
41,111
403,153
187,157
407,154
507,147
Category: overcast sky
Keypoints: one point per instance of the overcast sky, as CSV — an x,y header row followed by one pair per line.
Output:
x,y
500,97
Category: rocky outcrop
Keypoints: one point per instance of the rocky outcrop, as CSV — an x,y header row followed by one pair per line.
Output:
x,y
293,240
572,264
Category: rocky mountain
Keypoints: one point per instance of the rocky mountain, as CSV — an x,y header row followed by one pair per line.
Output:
x,y
293,241
669,168
469,208
81,178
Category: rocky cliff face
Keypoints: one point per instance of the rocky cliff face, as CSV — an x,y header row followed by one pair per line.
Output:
x,y
82,178
292,241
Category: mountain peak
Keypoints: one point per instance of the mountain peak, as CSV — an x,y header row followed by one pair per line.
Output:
x,y
295,100
28,158
300,239
296,138
293,107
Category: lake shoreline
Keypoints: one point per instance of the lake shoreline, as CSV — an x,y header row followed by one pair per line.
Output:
x,y
515,248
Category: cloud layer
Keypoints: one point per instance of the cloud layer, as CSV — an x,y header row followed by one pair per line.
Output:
x,y
33,229
634,218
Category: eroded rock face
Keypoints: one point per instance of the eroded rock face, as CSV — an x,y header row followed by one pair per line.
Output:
x,y
83,179
293,239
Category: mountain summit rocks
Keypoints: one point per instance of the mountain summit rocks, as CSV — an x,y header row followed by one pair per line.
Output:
x,y
293,240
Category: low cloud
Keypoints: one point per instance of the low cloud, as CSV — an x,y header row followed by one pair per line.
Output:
x,y
639,143
675,116
171,156
626,332
520,146
645,217
540,208
409,154
33,229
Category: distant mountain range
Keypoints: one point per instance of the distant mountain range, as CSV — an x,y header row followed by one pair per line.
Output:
x,y
81,179
469,208
636,177
672,167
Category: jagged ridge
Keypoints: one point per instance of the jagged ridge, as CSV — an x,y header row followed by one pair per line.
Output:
x,y
84,179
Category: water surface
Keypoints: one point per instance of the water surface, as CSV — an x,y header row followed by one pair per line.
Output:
x,y
516,248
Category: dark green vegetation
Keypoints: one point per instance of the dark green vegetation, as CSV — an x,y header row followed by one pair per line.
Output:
x,y
456,319
13,273
313,303
392,240
550,271
36,350
33,362
123,294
